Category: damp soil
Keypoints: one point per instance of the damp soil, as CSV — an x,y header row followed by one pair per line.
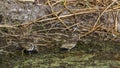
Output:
x,y
98,54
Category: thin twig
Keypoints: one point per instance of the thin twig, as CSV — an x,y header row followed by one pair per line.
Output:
x,y
56,14
102,14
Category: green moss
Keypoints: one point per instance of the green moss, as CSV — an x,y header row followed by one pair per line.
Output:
x,y
87,55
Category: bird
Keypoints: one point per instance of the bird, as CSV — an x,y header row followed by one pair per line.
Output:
x,y
68,46
28,48
69,43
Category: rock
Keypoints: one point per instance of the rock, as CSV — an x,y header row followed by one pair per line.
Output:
x,y
20,12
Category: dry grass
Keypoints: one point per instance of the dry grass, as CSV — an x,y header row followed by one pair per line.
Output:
x,y
54,28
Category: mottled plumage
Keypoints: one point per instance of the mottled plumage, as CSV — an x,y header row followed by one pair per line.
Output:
x,y
68,45
29,47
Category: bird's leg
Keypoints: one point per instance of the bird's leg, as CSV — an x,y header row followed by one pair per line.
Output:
x,y
68,50
30,54
23,52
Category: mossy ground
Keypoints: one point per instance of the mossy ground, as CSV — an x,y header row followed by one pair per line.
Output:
x,y
84,55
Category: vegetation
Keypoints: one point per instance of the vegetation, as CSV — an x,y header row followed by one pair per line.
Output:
x,y
94,24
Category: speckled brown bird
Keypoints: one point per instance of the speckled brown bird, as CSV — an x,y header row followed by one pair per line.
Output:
x,y
28,47
68,46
